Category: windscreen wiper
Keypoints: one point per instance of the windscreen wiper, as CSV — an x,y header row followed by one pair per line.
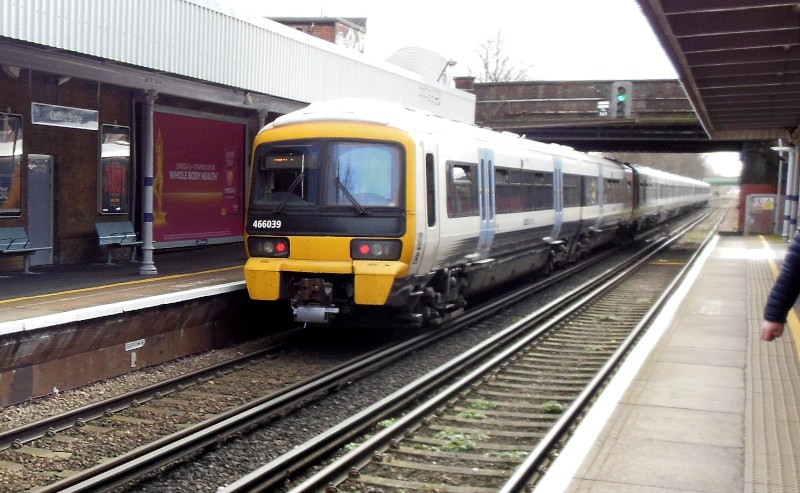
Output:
x,y
289,191
350,197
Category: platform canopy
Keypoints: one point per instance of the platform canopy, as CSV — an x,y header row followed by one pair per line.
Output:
x,y
739,61
191,48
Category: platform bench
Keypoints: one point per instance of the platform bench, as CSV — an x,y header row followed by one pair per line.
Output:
x,y
117,234
14,241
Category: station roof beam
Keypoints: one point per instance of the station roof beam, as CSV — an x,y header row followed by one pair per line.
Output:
x,y
738,60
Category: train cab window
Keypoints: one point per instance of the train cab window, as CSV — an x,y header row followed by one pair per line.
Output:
x,y
462,189
286,176
364,175
324,173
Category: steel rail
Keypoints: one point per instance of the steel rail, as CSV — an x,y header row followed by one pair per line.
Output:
x,y
304,455
77,417
80,416
525,472
127,467
149,457
174,447
171,448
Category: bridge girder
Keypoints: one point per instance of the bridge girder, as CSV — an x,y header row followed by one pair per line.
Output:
x,y
661,118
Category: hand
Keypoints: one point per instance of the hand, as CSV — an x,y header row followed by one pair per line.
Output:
x,y
771,330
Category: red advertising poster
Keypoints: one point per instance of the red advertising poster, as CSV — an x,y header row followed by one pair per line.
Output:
x,y
198,180
10,164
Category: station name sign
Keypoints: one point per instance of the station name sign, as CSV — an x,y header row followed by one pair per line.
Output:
x,y
63,116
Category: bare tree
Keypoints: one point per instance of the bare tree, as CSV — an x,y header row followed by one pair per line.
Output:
x,y
496,62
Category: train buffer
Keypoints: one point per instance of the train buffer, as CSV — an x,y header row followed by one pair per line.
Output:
x,y
14,241
117,234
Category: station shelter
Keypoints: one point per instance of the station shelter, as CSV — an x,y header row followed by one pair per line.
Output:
x,y
147,115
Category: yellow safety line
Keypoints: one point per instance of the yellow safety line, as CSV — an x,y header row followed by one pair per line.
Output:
x,y
152,279
791,318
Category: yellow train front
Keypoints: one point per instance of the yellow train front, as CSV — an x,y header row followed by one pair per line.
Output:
x,y
373,209
330,214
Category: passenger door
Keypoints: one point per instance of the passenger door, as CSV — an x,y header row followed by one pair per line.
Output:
x,y
428,222
558,197
601,196
486,202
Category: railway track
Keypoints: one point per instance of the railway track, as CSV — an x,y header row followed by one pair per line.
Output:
x,y
105,444
228,416
511,413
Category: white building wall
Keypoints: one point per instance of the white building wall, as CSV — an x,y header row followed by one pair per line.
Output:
x,y
204,40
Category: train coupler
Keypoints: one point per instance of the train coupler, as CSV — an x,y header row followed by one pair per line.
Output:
x,y
312,300
314,314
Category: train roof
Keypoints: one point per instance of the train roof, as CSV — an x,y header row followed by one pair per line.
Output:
x,y
411,120
662,175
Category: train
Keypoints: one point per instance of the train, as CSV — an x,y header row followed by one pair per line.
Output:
x,y
372,208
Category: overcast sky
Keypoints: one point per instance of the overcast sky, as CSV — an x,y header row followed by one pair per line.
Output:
x,y
555,39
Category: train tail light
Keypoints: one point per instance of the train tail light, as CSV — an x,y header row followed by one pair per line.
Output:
x,y
375,249
268,247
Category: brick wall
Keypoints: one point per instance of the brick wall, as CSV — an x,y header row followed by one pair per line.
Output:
x,y
76,155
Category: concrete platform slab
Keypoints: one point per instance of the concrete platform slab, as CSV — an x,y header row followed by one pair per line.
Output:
x,y
698,355
682,425
676,466
713,408
698,397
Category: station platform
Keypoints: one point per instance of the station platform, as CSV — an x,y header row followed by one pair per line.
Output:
x,y
703,405
54,294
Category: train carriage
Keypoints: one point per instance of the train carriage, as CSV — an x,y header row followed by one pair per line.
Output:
x,y
660,196
357,204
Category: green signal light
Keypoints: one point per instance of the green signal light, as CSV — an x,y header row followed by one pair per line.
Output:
x,y
622,98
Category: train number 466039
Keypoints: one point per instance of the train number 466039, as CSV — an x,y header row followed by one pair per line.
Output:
x,y
267,224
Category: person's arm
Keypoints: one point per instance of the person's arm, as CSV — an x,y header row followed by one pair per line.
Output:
x,y
771,330
784,293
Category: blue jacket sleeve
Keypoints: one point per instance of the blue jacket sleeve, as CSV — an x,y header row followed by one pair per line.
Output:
x,y
786,289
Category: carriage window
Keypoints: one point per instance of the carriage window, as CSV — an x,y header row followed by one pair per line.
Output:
x,y
590,190
462,189
505,193
523,190
613,192
543,190
572,191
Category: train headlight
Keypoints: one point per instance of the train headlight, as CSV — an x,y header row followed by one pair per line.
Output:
x,y
268,247
375,249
